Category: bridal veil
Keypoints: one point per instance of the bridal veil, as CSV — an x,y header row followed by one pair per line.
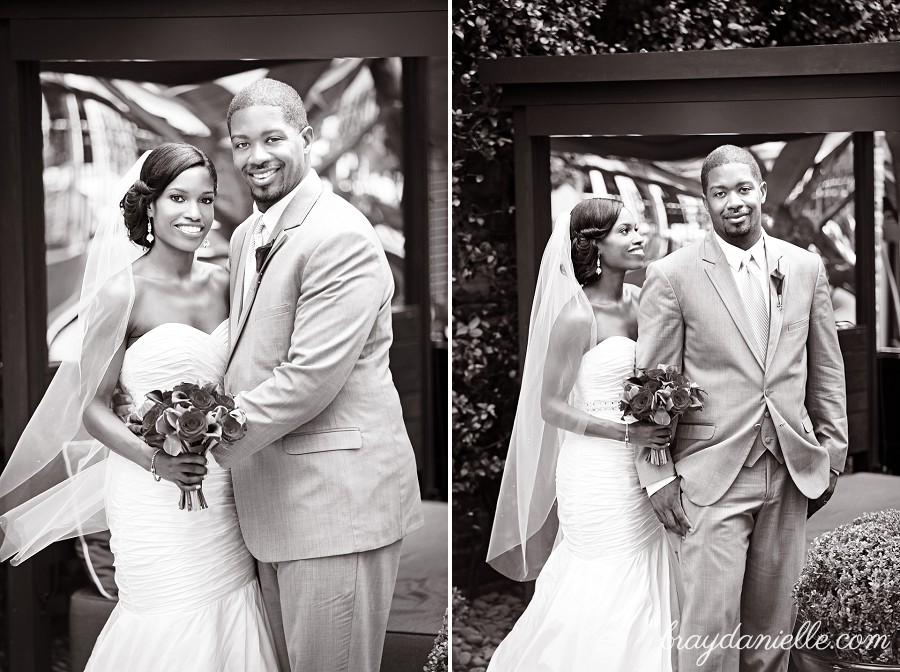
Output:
x,y
525,523
53,485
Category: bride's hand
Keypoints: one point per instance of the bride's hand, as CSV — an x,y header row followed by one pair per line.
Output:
x,y
648,435
186,470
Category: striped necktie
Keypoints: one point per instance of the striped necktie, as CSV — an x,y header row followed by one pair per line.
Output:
x,y
256,240
755,302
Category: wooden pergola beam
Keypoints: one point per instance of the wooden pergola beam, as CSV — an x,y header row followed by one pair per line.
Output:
x,y
693,66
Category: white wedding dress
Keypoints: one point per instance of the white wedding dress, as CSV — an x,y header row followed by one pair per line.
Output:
x,y
607,596
188,594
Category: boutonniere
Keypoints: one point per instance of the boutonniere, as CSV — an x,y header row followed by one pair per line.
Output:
x,y
261,253
778,279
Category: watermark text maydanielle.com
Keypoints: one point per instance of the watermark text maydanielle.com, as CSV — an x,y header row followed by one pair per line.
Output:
x,y
806,637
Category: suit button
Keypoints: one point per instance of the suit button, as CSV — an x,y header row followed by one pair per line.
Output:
x,y
768,439
768,391
767,414
757,427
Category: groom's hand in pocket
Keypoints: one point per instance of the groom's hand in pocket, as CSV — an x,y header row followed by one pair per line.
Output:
x,y
814,505
666,503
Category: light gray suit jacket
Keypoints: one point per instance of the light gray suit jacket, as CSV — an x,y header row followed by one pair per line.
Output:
x,y
692,315
326,467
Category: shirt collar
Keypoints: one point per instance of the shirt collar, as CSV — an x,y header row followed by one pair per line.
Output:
x,y
735,255
273,214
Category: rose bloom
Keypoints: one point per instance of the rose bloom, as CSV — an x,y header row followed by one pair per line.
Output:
x,y
681,400
202,400
186,388
225,400
232,430
653,385
640,403
192,425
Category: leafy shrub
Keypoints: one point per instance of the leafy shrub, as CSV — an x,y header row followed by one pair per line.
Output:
x,y
437,659
850,585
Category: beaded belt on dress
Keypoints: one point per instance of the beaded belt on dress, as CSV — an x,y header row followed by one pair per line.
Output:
x,y
598,406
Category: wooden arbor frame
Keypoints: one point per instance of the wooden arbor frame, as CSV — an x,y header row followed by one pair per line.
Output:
x,y
761,92
155,37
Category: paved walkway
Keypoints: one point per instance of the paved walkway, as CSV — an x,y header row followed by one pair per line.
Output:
x,y
854,495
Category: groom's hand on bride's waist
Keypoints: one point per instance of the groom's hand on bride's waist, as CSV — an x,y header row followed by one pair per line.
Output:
x,y
666,503
123,406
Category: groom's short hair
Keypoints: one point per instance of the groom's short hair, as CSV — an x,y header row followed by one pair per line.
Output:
x,y
727,154
274,93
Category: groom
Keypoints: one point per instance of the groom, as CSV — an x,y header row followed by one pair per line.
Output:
x,y
749,318
325,479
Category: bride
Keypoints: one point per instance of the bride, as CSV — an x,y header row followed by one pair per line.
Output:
x,y
150,317
607,596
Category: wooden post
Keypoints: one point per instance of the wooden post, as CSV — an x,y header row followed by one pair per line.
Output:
x,y
864,211
415,229
533,225
23,324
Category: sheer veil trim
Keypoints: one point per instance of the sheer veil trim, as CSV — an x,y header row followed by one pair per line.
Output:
x,y
53,485
525,523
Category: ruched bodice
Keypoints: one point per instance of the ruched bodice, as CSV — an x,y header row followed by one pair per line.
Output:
x,y
188,594
598,385
602,509
606,598
174,353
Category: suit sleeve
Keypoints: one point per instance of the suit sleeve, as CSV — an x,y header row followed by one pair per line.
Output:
x,y
345,285
660,341
825,387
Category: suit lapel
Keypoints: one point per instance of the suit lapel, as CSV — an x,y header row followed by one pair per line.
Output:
x,y
237,281
294,215
722,278
777,273
254,287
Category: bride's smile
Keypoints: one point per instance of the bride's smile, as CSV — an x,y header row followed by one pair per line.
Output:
x,y
185,207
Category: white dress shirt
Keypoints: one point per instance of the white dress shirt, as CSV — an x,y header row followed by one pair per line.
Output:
x,y
735,256
269,220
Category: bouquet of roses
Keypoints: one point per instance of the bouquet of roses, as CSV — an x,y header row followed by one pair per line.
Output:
x,y
191,418
659,396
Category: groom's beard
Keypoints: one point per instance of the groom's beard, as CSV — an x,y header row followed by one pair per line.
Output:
x,y
742,229
267,194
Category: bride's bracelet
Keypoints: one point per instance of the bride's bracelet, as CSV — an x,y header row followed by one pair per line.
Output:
x,y
153,473
626,433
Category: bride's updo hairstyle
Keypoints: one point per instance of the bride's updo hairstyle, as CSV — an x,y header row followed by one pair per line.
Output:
x,y
590,222
162,165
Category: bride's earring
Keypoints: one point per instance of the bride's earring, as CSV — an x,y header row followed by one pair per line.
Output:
x,y
206,242
598,265
149,229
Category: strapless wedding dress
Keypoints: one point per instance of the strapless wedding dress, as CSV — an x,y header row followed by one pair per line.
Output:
x,y
607,597
188,594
